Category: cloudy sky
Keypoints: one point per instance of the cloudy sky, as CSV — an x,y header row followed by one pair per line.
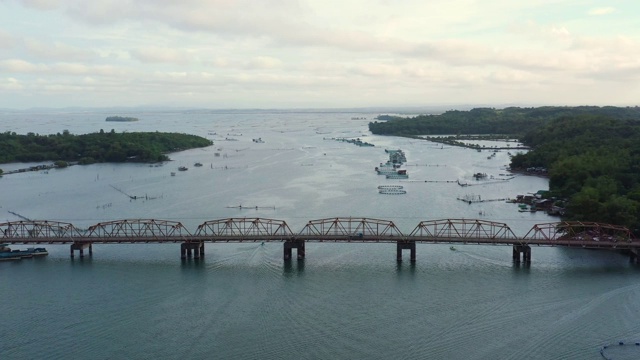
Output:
x,y
318,53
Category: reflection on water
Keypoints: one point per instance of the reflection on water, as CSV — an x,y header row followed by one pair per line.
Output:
x,y
293,267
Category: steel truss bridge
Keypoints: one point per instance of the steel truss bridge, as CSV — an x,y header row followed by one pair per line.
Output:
x,y
340,229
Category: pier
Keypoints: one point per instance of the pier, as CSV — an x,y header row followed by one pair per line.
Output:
x,y
587,235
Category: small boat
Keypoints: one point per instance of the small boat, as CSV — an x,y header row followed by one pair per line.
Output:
x,y
7,254
37,251
173,173
197,164
452,248
183,168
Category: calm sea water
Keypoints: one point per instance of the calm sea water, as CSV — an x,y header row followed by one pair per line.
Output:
x,y
350,301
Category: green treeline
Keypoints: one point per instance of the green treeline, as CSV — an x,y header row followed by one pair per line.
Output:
x,y
592,153
594,162
95,147
513,120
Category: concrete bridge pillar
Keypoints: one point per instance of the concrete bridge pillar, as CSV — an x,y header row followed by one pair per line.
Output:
x,y
402,245
299,245
195,250
525,250
80,247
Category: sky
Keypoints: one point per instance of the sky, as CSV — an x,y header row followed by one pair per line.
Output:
x,y
223,54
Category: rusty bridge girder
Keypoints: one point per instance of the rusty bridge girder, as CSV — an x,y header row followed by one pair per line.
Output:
x,y
37,229
354,227
244,227
339,229
462,229
579,231
138,228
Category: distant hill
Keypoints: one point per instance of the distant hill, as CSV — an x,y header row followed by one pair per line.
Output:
x,y
121,118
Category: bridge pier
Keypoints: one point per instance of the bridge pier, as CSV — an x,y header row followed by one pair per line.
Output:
x,y
633,256
410,245
192,249
525,250
299,245
80,247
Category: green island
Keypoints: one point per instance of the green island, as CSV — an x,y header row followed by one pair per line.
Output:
x,y
121,118
95,147
590,154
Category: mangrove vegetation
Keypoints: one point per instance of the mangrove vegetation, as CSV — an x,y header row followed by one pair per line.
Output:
x,y
594,162
514,121
96,147
591,154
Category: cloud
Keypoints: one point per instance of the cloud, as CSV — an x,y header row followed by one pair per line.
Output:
x,y
11,84
160,55
601,11
59,69
263,62
254,50
41,4
377,70
55,50
6,40
21,66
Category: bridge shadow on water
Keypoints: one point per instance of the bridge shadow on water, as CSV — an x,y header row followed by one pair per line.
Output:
x,y
406,267
520,267
81,261
192,263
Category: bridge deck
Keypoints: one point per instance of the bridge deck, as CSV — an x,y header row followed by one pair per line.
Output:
x,y
324,238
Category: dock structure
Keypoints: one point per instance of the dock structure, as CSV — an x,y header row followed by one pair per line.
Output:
x,y
337,230
473,199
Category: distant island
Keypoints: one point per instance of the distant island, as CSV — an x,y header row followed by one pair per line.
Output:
x,y
96,147
121,118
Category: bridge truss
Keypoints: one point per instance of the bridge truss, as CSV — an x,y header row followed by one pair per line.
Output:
x,y
38,231
464,229
144,230
586,234
348,228
338,229
245,229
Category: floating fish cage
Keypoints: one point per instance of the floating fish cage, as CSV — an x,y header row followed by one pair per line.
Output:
x,y
391,190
